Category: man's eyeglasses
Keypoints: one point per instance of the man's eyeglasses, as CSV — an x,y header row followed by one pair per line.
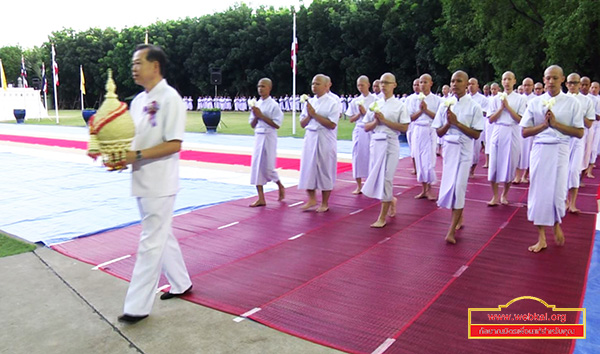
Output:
x,y
572,82
387,82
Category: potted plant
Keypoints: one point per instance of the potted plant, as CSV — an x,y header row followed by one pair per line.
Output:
x,y
19,115
87,114
211,118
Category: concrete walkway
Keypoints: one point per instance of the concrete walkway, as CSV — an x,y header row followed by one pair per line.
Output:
x,y
54,304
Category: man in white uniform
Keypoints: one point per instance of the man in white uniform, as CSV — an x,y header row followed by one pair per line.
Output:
x,y
552,119
159,117
386,121
265,118
361,139
505,144
522,172
487,131
591,151
459,125
482,101
413,96
318,163
576,145
422,111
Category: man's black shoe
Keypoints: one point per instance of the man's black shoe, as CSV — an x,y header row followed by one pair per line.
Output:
x,y
169,295
130,318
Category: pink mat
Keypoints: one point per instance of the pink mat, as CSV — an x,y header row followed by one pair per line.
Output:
x,y
340,283
202,156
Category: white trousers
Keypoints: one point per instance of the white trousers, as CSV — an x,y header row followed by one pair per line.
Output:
x,y
157,250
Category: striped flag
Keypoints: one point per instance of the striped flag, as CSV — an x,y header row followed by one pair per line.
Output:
x,y
82,85
2,76
294,53
54,67
294,47
44,81
24,72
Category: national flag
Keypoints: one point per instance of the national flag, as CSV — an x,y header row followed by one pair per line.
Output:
x,y
294,53
24,72
54,67
294,62
2,76
44,81
82,86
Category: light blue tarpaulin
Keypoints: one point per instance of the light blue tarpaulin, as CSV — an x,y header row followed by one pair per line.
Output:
x,y
51,201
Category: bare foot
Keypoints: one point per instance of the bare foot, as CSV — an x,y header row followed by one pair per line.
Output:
x,y
485,166
258,203
494,202
589,175
392,210
281,193
450,238
421,195
503,200
516,181
431,197
378,224
322,209
459,225
537,247
559,237
574,210
414,172
524,180
357,191
308,205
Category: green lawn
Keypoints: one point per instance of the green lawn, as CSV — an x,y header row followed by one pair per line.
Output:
x,y
10,246
231,123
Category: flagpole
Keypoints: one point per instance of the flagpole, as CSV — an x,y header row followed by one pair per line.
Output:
x,y
81,83
54,65
294,46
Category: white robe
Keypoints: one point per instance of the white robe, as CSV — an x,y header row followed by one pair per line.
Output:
x,y
458,151
423,138
361,140
318,162
577,145
483,103
505,144
264,156
384,152
526,144
549,159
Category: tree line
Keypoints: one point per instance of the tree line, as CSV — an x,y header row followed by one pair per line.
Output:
x,y
340,38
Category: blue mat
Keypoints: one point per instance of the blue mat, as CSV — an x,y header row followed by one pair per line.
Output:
x,y
52,201
591,302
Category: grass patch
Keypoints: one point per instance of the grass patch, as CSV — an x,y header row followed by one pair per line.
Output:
x,y
231,123
10,246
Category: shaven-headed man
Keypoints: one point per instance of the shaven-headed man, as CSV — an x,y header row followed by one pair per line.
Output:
x,y
459,124
482,101
422,111
522,173
361,139
576,145
505,145
265,118
551,119
386,120
318,163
